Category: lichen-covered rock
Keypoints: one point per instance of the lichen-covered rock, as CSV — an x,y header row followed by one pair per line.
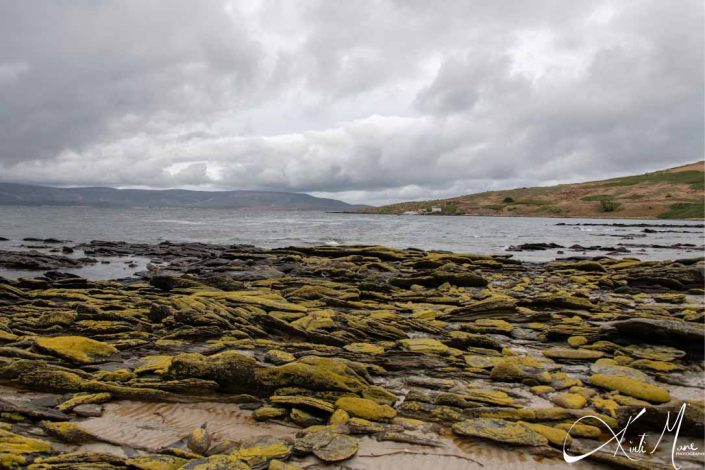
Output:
x,y
153,364
339,448
577,341
301,401
16,450
258,450
304,418
83,398
315,373
278,357
339,417
572,401
423,346
364,348
365,408
76,348
217,462
572,354
119,375
631,387
37,375
156,462
499,430
562,300
327,445
279,465
199,440
580,430
520,368
668,331
289,333
233,371
269,412
379,395
555,435
68,432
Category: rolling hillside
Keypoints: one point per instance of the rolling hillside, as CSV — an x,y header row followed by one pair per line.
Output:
x,y
31,195
675,193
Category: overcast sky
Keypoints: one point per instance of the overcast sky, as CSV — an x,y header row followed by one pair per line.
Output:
x,y
368,101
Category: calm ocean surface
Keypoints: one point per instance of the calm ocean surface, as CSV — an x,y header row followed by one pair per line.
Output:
x,y
487,235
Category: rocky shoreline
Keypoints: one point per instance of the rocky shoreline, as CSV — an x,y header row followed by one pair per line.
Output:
x,y
230,356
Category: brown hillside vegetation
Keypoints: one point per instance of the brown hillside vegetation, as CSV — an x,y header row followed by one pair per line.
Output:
x,y
675,193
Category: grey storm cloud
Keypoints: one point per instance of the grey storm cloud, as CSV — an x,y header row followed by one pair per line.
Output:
x,y
370,101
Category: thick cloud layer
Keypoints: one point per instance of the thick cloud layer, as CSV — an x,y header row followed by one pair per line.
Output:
x,y
371,101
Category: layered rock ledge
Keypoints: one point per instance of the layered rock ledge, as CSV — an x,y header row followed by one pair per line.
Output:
x,y
318,351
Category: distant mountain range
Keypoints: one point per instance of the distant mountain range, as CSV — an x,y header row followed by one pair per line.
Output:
x,y
674,193
32,195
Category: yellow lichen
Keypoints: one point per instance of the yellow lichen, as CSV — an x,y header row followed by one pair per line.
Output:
x,y
76,348
541,389
68,431
572,354
580,430
632,387
379,395
364,348
266,448
555,436
571,401
83,398
279,465
364,408
340,416
14,448
119,375
577,341
423,346
156,462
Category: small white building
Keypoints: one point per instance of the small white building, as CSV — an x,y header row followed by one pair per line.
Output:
x,y
435,209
